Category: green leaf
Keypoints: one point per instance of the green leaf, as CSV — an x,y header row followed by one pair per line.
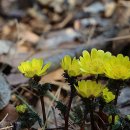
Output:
x,y
28,119
43,88
116,126
60,106
78,114
111,109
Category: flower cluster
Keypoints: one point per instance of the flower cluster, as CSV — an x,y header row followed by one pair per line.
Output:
x,y
93,63
91,89
118,67
97,77
98,62
108,95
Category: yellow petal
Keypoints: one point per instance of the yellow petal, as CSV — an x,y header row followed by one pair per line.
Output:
x,y
21,69
93,53
89,88
37,64
66,62
44,69
86,55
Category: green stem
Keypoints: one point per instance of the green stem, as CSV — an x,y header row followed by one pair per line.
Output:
x,y
43,109
51,96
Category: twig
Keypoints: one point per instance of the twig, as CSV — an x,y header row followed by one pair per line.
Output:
x,y
104,124
58,128
4,118
21,99
53,98
54,117
64,22
97,127
5,128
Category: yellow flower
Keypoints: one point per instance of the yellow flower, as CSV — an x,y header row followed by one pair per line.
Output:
x,y
118,67
107,95
93,63
115,120
88,89
21,108
70,65
33,67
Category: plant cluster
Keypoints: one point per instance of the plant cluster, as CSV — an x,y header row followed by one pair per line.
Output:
x,y
97,78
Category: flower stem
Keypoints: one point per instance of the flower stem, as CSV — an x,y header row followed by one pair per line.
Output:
x,y
92,116
115,102
69,107
92,120
117,94
43,109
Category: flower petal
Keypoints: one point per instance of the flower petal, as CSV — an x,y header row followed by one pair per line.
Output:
x,y
43,71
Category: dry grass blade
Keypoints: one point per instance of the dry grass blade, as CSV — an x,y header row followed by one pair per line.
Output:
x,y
6,128
4,118
2,122
57,95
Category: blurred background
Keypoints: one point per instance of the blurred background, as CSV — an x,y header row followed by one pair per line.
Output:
x,y
50,29
44,28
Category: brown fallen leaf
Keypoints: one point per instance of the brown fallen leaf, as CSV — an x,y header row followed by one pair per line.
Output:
x,y
12,114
